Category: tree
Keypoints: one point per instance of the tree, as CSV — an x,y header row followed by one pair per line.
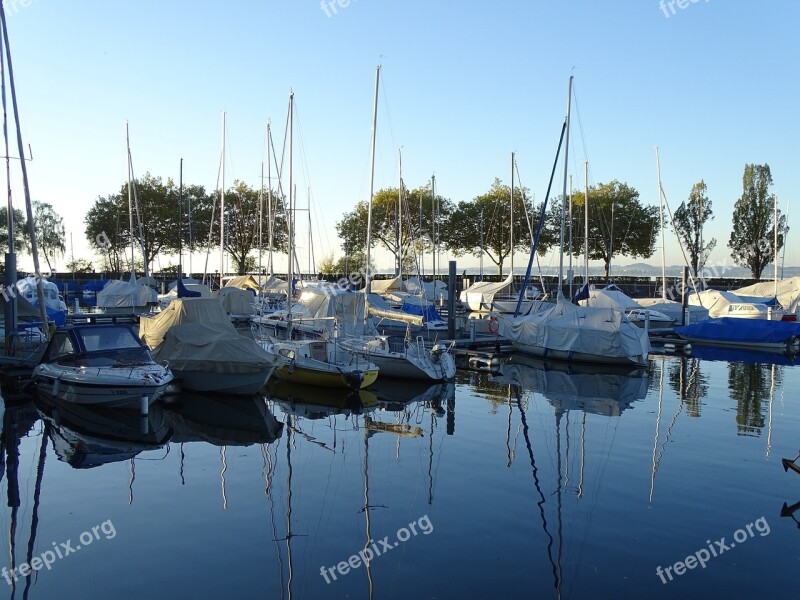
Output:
x,y
752,239
483,225
50,235
20,231
80,265
619,225
688,221
416,220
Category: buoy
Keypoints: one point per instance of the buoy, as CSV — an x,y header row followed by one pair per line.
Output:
x,y
144,406
494,326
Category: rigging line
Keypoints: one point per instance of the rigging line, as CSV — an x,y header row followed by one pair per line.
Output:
x,y
388,114
580,122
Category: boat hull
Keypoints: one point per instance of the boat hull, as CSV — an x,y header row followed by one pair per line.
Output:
x,y
326,377
239,384
579,357
95,387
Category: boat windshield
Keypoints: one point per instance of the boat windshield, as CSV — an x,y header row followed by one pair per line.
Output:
x,y
97,339
116,358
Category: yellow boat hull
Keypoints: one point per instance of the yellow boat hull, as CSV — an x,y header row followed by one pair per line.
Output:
x,y
317,378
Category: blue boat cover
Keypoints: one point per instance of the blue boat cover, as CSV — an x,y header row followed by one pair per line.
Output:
x,y
740,331
428,313
743,355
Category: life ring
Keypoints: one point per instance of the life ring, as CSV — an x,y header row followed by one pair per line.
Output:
x,y
494,326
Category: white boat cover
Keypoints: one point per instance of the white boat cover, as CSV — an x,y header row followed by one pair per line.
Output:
x,y
212,348
274,284
187,281
322,306
27,290
153,329
717,302
482,293
148,281
235,300
601,332
432,290
673,309
609,298
125,294
788,292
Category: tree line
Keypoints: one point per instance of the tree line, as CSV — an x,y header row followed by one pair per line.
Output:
x,y
406,223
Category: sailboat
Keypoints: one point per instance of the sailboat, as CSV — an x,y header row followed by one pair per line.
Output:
x,y
396,357
565,331
318,362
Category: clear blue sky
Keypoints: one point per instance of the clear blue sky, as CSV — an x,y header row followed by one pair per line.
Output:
x,y
714,85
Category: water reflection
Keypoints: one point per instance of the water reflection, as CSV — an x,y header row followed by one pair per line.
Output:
x,y
752,386
689,383
90,436
599,390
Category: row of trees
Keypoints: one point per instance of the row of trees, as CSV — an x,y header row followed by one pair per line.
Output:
x,y
619,224
408,224
173,219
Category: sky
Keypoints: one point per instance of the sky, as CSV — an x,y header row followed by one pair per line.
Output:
x,y
712,83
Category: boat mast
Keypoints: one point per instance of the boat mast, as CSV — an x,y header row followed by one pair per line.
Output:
x,y
290,215
11,259
433,234
368,284
775,232
564,192
269,195
222,209
261,223
511,224
25,186
399,270
586,224
180,222
130,197
569,252
661,219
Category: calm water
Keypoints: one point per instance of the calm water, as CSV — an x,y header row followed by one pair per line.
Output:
x,y
537,483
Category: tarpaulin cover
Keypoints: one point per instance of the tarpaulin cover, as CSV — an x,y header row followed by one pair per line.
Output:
x,y
740,331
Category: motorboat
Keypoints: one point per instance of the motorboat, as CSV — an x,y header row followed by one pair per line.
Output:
x,y
100,364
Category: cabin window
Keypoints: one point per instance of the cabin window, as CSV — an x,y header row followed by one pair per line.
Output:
x,y
108,338
60,346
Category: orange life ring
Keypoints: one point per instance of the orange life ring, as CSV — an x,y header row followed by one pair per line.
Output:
x,y
494,326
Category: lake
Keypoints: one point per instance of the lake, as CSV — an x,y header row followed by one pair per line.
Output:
x,y
544,481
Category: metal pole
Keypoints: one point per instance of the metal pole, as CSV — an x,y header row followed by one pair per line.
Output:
x,y
451,301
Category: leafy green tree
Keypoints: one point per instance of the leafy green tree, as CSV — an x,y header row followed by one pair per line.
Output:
x,y
80,265
50,234
416,220
752,239
487,218
21,241
619,225
688,221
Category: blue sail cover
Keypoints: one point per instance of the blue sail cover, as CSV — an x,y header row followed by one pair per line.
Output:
x,y
427,312
740,332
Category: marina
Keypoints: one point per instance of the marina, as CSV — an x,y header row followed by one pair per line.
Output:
x,y
541,480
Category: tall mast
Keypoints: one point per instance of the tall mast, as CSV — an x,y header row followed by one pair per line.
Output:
x,y
130,195
586,223
775,231
511,224
180,222
368,284
290,214
433,232
569,246
400,215
11,260
261,223
25,186
269,195
222,209
661,220
564,191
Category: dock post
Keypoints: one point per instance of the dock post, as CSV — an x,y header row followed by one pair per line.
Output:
x,y
451,301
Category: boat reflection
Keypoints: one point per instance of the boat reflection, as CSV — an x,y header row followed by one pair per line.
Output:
x,y
744,355
592,389
222,421
312,402
90,436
